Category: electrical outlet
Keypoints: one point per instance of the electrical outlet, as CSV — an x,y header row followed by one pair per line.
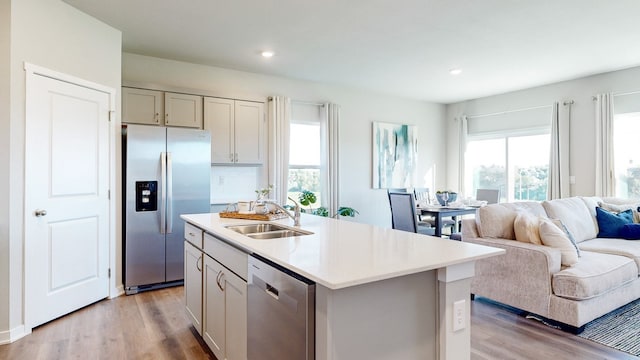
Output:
x,y
221,180
459,318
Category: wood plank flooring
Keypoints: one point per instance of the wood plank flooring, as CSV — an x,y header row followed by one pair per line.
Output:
x,y
152,325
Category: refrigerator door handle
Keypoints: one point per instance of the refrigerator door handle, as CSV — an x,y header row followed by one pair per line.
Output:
x,y
163,198
169,194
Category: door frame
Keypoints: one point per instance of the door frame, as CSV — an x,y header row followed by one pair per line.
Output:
x,y
31,71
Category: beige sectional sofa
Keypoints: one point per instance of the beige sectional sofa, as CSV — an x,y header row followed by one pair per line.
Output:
x,y
532,277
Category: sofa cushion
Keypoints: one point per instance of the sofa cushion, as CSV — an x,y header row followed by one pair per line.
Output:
x,y
594,275
496,220
527,227
575,215
629,249
551,235
610,224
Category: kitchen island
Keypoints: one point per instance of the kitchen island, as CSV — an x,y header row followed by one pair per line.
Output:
x,y
380,293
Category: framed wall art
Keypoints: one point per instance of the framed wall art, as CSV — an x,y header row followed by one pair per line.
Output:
x,y
395,152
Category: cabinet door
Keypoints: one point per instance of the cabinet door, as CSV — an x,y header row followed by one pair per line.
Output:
x,y
183,110
236,309
218,119
193,259
214,308
249,133
141,106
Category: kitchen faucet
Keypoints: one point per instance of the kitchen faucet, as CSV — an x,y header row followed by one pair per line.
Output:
x,y
295,217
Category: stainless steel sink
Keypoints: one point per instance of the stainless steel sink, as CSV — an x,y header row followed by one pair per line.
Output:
x,y
256,228
276,234
264,231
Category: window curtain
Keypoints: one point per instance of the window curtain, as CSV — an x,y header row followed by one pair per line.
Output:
x,y
279,119
462,150
329,170
554,187
605,183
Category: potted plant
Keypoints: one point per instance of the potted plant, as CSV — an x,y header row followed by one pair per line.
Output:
x,y
307,198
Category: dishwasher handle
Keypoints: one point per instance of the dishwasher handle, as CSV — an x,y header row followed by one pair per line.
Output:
x,y
272,291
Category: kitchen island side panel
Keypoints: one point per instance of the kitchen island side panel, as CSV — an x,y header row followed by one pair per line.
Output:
x,y
390,319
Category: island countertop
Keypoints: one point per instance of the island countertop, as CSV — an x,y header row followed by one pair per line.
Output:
x,y
342,253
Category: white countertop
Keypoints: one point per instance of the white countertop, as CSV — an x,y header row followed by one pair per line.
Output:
x,y
341,253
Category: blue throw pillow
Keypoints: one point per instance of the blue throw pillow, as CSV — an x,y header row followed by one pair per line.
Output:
x,y
630,232
611,224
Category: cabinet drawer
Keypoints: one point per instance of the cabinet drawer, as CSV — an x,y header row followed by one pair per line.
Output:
x,y
234,259
193,235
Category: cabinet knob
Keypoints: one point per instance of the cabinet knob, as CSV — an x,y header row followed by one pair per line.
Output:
x,y
40,212
157,117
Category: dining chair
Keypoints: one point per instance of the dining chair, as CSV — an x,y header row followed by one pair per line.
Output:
x,y
491,196
403,214
421,194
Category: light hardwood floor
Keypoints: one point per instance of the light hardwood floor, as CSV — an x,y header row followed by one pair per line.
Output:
x,y
152,325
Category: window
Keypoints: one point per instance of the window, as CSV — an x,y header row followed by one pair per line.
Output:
x,y
518,165
305,151
626,128
304,159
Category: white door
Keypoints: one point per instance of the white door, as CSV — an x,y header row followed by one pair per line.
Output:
x,y
66,197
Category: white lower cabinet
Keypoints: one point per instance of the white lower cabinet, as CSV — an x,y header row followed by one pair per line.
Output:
x,y
216,297
193,262
225,312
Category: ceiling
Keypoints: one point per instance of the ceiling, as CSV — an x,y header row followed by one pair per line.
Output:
x,y
398,47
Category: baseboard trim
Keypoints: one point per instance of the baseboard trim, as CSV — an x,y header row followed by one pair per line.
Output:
x,y
117,291
9,336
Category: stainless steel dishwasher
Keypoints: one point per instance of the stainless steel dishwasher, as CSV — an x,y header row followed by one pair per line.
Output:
x,y
281,313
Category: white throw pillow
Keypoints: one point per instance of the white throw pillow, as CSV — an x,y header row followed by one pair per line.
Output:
x,y
553,236
527,228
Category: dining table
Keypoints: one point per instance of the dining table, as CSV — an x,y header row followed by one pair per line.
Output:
x,y
441,212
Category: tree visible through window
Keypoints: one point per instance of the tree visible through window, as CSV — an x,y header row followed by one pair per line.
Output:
x,y
517,165
626,128
304,160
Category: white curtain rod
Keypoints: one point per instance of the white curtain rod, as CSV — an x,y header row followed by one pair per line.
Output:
x,y
270,98
306,103
594,98
508,111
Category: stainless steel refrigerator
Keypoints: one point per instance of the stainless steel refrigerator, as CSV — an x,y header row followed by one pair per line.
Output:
x,y
166,172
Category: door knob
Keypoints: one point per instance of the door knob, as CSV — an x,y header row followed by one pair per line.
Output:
x,y
40,212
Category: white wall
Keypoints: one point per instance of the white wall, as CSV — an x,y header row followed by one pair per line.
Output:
x,y
359,110
54,35
5,60
582,126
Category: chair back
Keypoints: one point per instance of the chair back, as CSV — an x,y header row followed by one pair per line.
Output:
x,y
421,194
403,211
491,196
396,190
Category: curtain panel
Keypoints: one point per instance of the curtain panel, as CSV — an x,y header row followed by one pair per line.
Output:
x,y
604,176
279,120
462,150
554,187
330,177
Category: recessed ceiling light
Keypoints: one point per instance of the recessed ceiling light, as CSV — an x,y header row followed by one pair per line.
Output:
x,y
267,54
455,71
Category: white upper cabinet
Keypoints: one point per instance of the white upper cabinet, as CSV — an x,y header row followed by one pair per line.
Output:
x,y
152,107
237,130
183,110
142,106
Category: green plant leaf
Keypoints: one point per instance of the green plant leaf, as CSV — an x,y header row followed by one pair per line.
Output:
x,y
347,211
307,198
